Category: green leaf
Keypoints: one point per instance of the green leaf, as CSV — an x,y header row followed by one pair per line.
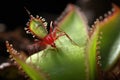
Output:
x,y
31,72
29,69
62,64
66,61
91,55
110,39
75,25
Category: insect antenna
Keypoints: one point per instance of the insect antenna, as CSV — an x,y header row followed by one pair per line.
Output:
x,y
28,12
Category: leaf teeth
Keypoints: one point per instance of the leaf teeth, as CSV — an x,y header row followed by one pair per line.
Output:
x,y
25,28
100,18
28,32
98,49
45,24
98,61
105,15
43,19
40,19
113,10
27,23
93,27
33,36
109,12
37,16
13,52
96,22
98,57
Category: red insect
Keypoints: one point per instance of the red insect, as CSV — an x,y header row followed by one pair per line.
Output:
x,y
37,27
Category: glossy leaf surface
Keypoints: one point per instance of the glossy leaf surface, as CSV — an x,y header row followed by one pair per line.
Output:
x,y
67,60
110,39
91,55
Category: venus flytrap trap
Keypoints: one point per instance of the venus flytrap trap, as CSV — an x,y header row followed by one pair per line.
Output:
x,y
110,33
28,69
59,60
72,52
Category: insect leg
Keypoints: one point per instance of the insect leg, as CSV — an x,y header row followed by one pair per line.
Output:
x,y
51,27
62,34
